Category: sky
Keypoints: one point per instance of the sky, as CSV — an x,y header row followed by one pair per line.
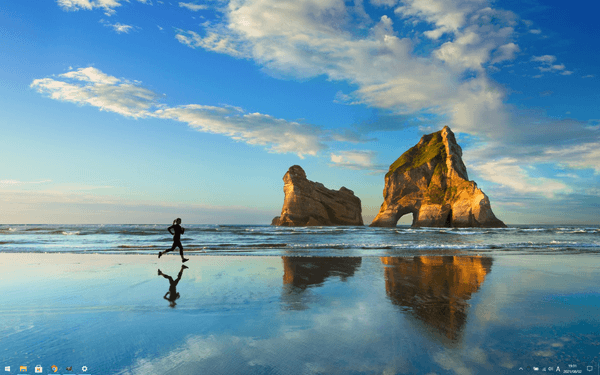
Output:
x,y
141,111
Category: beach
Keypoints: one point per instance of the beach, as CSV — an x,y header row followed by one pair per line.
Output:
x,y
300,315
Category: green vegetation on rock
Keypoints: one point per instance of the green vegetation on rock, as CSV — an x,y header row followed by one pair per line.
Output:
x,y
440,169
418,155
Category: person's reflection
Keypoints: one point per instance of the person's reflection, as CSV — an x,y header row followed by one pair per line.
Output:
x,y
436,289
300,273
172,295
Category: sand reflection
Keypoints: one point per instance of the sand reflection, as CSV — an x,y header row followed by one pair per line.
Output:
x,y
300,273
172,295
436,289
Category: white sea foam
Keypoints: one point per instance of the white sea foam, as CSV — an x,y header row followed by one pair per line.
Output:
x,y
283,241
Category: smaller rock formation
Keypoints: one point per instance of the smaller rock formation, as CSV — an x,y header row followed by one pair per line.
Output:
x,y
309,203
430,181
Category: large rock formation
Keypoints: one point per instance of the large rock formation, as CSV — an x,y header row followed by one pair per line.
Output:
x,y
430,181
310,203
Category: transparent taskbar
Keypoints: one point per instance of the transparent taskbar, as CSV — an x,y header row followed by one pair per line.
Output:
x,y
590,369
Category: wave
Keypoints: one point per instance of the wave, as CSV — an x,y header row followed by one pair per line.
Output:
x,y
410,246
463,233
268,240
142,233
244,246
137,246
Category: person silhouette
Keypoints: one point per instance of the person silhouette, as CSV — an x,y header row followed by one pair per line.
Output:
x,y
178,231
172,293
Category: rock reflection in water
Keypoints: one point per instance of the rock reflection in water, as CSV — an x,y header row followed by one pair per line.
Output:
x,y
300,273
436,289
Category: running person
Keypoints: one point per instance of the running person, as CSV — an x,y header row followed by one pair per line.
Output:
x,y
177,231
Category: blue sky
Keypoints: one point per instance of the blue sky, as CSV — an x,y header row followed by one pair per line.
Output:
x,y
141,111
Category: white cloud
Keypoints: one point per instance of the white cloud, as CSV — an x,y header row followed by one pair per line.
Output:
x,y
120,28
447,16
17,182
546,59
91,75
474,45
278,135
308,39
505,52
212,41
581,156
389,3
508,172
549,66
535,31
567,175
108,5
340,97
92,87
465,52
193,7
589,76
356,159
595,191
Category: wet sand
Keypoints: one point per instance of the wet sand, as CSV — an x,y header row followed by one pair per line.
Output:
x,y
296,315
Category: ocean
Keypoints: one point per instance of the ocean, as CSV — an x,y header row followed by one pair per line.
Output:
x,y
301,241
256,299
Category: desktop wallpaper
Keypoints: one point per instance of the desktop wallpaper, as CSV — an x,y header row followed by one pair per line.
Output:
x,y
144,145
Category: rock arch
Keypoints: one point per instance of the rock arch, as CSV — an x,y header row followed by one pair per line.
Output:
x,y
430,180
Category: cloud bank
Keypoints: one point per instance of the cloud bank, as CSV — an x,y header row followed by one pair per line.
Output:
x,y
450,83
90,86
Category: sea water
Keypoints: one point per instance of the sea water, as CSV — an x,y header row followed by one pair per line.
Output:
x,y
320,300
301,241
463,315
